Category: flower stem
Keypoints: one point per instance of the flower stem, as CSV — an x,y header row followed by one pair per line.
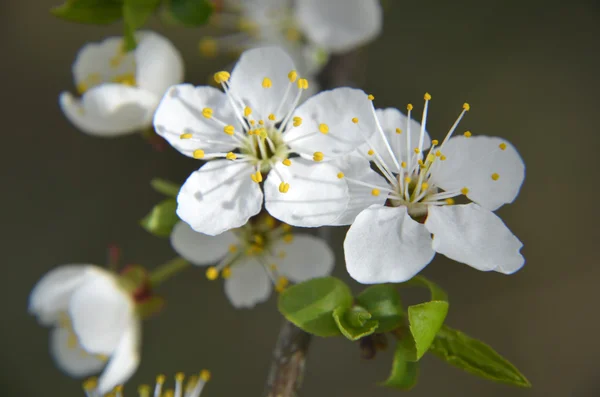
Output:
x,y
167,270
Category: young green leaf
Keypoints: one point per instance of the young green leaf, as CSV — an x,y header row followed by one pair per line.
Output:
x,y
161,220
404,373
437,293
97,12
354,322
168,188
190,12
424,321
310,305
475,357
383,302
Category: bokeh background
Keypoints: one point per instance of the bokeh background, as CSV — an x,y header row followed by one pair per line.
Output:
x,y
530,72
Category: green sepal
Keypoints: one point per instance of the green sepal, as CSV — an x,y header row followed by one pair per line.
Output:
x,y
133,278
355,322
190,12
96,12
310,304
162,219
135,15
383,302
475,357
404,373
149,306
168,188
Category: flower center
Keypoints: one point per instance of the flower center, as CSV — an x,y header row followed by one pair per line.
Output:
x,y
264,147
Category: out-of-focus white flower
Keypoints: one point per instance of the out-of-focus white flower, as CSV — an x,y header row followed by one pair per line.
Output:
x,y
392,241
253,128
120,90
253,258
94,320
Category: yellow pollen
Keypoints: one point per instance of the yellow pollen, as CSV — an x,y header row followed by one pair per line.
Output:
x,y
502,146
287,162
270,222
420,162
256,177
207,112
403,164
438,153
398,131
222,76
288,238
435,142
169,393
231,156
370,152
293,75
409,107
160,379
208,47
185,135
261,122
198,154
229,130
417,151
273,266
82,88
247,111
323,128
284,187
466,106
125,79
427,97
90,383
212,273
407,179
355,120
233,248
252,122
226,273
303,84
340,175
464,191
495,176
424,186
272,117
281,284
179,376
144,390
318,156
449,201
467,134
297,121
267,83
442,157
205,375
375,192
370,97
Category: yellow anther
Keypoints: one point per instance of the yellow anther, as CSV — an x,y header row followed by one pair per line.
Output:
x,y
495,176
212,273
207,112
118,389
226,273
323,128
430,158
169,393
186,135
252,122
258,239
442,157
281,284
205,375
403,164
231,156
198,154
370,97
420,161
281,254
286,228
427,96
287,162
222,76
261,122
355,120
417,150
375,192
233,248
272,117
340,175
398,131
179,376
144,390
467,134
267,83
466,106
160,379
424,186
125,79
82,88
464,191
297,121
208,47
292,34
273,266
262,132
318,156
435,142
256,177
284,187
502,146
409,107
229,129
449,201
288,238
438,153
90,383
407,179
293,75
371,152
247,111
303,84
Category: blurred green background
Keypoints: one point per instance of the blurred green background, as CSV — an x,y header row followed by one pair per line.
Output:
x,y
529,69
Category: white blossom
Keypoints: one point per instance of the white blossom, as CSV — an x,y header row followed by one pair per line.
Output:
x,y
120,90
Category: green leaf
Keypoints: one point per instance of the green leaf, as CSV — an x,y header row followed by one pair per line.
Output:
x,y
190,12
475,357
404,373
310,305
165,187
135,15
424,321
355,322
98,12
437,293
383,302
161,220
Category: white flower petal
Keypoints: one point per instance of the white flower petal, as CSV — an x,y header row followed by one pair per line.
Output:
x,y
474,235
200,249
247,77
124,361
70,357
356,167
110,110
219,196
159,63
474,163
316,196
336,109
385,245
339,25
52,293
180,111
305,257
100,312
248,284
